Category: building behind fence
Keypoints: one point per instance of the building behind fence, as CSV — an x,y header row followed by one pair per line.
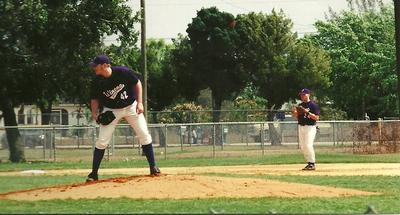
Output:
x,y
73,114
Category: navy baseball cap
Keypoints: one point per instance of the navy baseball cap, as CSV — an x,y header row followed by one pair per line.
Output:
x,y
100,59
305,91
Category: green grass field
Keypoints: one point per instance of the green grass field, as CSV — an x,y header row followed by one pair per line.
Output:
x,y
387,203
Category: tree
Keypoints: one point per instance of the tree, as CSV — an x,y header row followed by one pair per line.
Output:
x,y
277,61
71,31
361,46
45,46
248,102
162,86
17,60
182,69
184,113
212,41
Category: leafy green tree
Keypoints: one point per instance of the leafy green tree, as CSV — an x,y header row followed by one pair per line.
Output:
x,y
162,87
17,61
249,103
185,75
330,113
278,63
184,113
213,60
45,46
71,32
360,43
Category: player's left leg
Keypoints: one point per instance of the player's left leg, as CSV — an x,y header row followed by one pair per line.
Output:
x,y
105,135
310,132
138,123
301,135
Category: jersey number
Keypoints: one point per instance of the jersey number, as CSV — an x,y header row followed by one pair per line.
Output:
x,y
124,95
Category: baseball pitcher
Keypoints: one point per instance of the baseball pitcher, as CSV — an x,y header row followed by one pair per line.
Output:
x,y
307,115
119,91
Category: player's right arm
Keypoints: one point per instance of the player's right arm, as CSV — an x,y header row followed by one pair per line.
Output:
x,y
94,98
94,106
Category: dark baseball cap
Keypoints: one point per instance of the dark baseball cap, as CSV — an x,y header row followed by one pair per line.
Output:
x,y
305,91
100,59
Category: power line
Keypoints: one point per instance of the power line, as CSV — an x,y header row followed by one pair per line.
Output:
x,y
235,6
185,3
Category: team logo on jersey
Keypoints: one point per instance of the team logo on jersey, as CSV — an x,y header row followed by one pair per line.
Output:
x,y
114,92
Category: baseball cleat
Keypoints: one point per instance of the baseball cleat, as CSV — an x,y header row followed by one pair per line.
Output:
x,y
92,177
310,166
154,171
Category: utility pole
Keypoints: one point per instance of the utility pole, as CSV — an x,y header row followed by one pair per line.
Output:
x,y
144,55
397,36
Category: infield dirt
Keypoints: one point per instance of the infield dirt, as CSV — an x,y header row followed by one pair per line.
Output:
x,y
190,182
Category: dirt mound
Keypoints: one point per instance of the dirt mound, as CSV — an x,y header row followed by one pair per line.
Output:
x,y
182,187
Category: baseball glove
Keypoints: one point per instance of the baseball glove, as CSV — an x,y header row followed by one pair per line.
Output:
x,y
300,110
106,118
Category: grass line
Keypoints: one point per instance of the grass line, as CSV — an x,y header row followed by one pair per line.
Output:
x,y
219,161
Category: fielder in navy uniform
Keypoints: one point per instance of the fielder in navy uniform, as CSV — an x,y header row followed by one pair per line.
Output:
x,y
119,90
307,115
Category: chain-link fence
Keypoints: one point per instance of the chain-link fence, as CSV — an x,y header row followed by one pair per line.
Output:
x,y
63,117
56,143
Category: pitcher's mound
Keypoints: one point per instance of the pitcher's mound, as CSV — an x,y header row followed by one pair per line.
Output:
x,y
182,187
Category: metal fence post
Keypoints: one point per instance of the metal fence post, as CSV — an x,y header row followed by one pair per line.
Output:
x,y
94,137
113,143
61,135
190,135
222,137
353,133
165,141
138,146
54,143
213,140
247,135
43,137
380,125
298,142
262,138
181,137
334,133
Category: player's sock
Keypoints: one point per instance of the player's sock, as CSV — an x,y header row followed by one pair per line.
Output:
x,y
148,151
97,157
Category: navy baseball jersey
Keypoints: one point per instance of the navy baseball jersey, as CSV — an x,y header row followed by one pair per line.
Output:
x,y
115,91
313,108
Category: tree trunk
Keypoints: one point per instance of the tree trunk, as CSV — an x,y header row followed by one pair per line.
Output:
x,y
217,103
363,109
14,139
46,112
21,116
275,136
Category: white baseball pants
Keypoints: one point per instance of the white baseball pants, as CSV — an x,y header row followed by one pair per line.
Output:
x,y
306,141
137,122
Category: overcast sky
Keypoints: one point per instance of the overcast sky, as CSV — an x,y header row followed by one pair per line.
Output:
x,y
166,18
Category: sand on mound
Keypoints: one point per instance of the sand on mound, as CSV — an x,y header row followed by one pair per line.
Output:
x,y
182,187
